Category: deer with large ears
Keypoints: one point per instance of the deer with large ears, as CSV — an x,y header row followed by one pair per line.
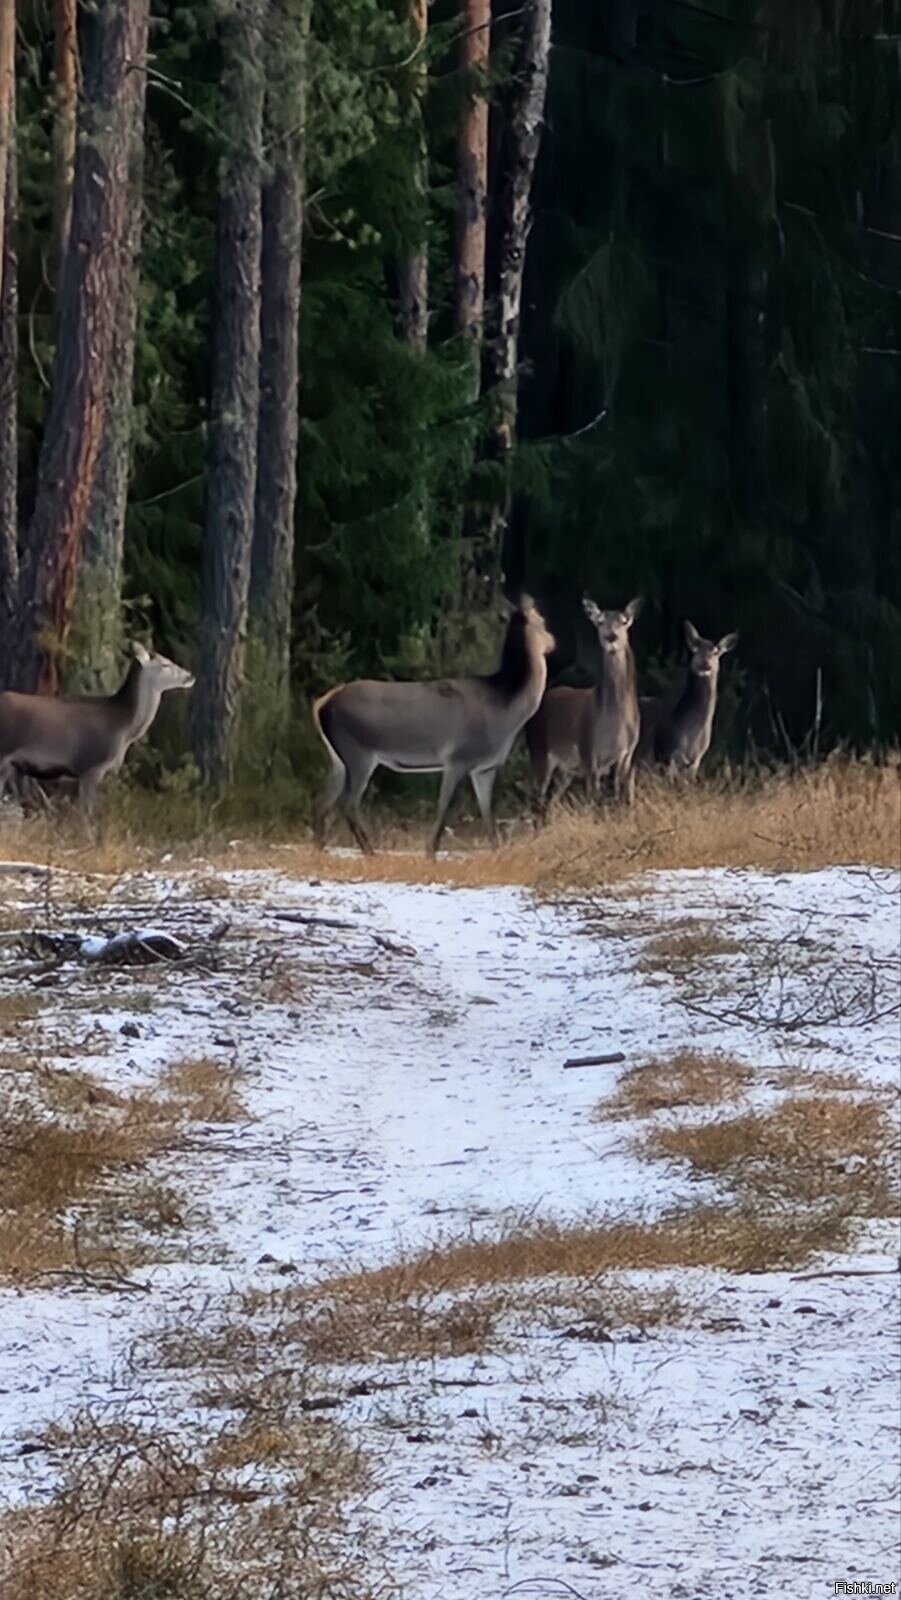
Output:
x,y
678,736
591,732
84,736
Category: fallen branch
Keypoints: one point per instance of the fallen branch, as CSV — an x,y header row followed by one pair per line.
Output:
x,y
611,1060
849,1272
307,920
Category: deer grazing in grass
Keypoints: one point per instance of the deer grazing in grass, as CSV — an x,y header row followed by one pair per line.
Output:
x,y
591,732
678,735
83,736
460,727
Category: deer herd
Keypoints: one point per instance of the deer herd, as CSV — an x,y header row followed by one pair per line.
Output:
x,y
461,727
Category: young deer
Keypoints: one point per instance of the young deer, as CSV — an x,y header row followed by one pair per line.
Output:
x,y
83,736
678,736
591,731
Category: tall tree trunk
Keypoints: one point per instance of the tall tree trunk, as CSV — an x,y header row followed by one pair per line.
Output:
x,y
113,50
234,399
97,621
472,164
65,71
414,268
272,566
523,127
9,559
747,287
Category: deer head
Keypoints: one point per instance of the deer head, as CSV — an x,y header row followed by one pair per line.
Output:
x,y
705,655
159,672
612,627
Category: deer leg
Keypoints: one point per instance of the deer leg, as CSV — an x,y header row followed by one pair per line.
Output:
x,y
354,790
332,790
450,779
483,784
6,770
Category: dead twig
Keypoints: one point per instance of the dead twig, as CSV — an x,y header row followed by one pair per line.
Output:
x,y
611,1060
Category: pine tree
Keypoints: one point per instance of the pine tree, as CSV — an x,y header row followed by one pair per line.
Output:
x,y
9,353
272,567
113,48
234,401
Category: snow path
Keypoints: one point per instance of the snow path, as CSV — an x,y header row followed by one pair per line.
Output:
x,y
405,1079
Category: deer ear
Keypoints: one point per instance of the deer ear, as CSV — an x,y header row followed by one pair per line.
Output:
x,y
632,609
592,612
692,637
728,642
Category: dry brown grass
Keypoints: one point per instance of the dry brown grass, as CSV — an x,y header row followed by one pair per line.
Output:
x,y
686,1079
204,1090
732,1239
685,947
72,1147
18,1008
147,1514
843,811
804,1151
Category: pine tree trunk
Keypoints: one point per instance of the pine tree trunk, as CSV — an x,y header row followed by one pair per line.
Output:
x,y
96,641
272,567
65,71
113,49
234,400
414,268
523,128
747,288
9,559
472,163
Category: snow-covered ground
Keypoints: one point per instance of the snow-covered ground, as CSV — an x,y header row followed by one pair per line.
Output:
x,y
403,1054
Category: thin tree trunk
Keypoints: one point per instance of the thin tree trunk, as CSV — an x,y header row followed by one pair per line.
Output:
x,y
272,566
113,48
65,71
472,162
414,268
234,400
9,559
97,622
523,128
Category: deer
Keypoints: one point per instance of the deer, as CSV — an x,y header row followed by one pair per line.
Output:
x,y
84,736
591,732
460,727
678,735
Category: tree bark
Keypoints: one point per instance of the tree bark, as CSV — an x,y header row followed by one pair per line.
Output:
x,y
97,622
523,128
472,162
234,401
272,564
414,268
65,71
9,307
113,49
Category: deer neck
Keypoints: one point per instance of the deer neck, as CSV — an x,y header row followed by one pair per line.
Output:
x,y
137,702
697,703
532,691
616,689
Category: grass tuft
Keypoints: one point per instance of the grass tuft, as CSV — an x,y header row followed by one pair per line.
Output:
x,y
685,1079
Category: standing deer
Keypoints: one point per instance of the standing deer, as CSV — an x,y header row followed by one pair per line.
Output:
x,y
591,731
460,727
83,736
678,736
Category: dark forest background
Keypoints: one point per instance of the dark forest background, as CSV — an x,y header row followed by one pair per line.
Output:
x,y
645,341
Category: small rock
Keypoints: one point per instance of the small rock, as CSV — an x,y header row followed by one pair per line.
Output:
x,y
419,1438
130,1030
